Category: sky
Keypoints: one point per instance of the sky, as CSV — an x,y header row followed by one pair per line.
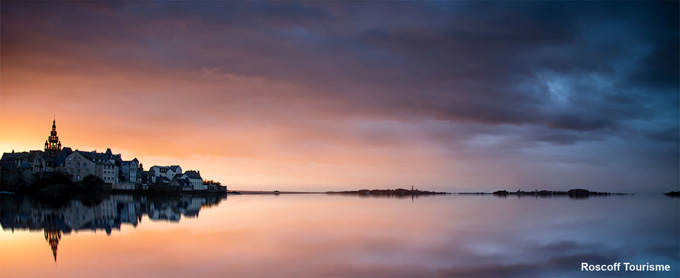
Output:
x,y
453,96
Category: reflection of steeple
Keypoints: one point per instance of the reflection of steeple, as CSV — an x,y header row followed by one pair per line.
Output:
x,y
26,213
53,235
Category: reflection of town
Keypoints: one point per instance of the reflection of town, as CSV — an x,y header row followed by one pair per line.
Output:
x,y
107,213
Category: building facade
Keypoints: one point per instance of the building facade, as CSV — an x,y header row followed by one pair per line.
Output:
x,y
195,178
82,164
169,172
129,170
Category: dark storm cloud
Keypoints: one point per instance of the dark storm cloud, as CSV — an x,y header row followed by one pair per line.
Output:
x,y
491,71
659,69
497,78
485,63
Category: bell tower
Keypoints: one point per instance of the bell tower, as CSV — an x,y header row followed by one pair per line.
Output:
x,y
52,144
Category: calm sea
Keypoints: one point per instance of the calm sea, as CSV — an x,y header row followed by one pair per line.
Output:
x,y
338,236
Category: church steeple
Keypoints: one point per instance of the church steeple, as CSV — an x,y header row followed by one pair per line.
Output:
x,y
52,144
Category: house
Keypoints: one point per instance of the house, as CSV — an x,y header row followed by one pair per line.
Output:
x,y
195,178
176,169
12,174
81,164
60,160
182,183
128,171
168,172
35,161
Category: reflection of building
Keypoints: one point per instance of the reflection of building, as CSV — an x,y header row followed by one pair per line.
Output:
x,y
194,206
53,235
25,213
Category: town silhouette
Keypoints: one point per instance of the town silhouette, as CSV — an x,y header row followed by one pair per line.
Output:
x,y
61,169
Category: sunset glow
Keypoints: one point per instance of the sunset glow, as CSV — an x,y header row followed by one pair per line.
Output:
x,y
453,96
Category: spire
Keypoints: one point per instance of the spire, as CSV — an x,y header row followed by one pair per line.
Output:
x,y
52,144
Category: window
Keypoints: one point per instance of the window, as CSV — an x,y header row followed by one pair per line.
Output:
x,y
87,171
78,164
78,178
78,171
69,164
79,159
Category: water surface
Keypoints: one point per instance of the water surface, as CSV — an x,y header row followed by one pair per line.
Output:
x,y
323,235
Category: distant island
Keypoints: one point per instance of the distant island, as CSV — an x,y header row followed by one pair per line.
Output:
x,y
400,192
573,193
673,194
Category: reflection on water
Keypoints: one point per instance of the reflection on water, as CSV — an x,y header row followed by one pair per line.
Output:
x,y
342,236
102,213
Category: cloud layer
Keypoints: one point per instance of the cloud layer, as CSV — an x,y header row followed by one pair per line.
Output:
x,y
449,94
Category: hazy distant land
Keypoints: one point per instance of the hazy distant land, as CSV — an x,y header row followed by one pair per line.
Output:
x,y
400,192
673,194
572,193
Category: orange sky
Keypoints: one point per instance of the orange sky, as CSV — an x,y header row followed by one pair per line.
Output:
x,y
314,96
151,118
